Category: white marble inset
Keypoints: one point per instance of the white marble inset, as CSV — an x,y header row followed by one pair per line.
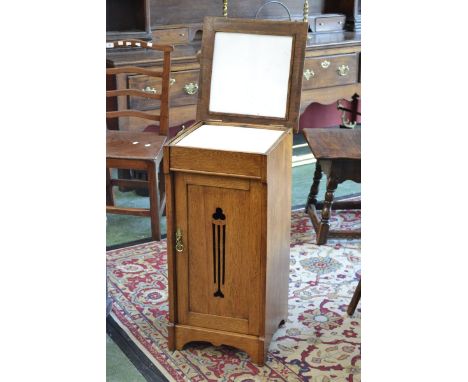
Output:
x,y
231,138
250,74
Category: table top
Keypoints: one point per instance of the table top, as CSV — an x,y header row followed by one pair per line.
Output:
x,y
334,143
188,52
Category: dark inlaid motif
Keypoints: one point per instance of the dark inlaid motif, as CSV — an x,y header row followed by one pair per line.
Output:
x,y
219,250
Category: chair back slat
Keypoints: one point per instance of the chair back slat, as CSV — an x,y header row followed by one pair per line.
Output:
x,y
163,73
132,92
133,113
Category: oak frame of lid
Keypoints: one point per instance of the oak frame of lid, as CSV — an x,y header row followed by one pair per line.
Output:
x,y
268,28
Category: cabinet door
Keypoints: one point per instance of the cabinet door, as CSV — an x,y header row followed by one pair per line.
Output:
x,y
219,270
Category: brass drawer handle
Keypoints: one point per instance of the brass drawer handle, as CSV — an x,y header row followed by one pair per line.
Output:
x,y
150,89
308,74
325,64
179,245
191,88
153,90
343,70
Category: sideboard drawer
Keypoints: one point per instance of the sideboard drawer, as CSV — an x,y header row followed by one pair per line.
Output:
x,y
170,36
183,89
326,71
177,116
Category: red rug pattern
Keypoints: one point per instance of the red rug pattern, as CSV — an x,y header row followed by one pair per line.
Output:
x,y
318,343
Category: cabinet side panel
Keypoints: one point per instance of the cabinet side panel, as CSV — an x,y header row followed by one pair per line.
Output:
x,y
258,203
278,236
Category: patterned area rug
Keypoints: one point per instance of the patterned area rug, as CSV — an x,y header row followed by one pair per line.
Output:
x,y
318,343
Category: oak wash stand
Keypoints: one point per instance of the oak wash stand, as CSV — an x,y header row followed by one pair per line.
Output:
x,y
228,187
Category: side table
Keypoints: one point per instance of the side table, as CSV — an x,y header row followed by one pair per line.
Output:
x,y
338,155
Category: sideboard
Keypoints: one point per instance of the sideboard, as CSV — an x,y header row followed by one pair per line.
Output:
x,y
331,68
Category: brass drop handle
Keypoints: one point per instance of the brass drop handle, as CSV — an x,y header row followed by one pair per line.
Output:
x,y
191,88
343,70
150,89
325,64
308,74
179,246
172,81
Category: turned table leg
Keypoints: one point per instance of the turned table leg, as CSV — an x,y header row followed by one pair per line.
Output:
x,y
312,198
324,226
354,107
355,300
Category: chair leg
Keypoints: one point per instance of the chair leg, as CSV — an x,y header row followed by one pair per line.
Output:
x,y
324,226
153,189
354,107
355,300
109,193
312,198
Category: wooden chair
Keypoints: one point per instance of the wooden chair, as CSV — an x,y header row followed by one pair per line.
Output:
x,y
128,150
338,154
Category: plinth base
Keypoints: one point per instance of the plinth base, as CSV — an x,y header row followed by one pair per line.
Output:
x,y
180,335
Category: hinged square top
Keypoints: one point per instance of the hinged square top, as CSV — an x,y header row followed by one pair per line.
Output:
x,y
251,71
